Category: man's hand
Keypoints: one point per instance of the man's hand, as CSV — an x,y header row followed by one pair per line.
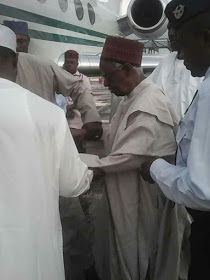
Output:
x,y
78,133
145,170
145,167
70,111
94,131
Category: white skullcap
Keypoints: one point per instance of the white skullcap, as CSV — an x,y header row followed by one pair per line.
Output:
x,y
7,38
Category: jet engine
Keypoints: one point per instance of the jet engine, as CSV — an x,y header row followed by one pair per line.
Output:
x,y
145,18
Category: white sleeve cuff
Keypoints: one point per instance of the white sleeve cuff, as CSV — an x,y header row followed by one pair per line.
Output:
x,y
156,167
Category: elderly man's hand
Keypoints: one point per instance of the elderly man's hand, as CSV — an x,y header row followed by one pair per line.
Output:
x,y
94,131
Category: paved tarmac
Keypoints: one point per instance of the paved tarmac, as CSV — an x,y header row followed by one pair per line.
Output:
x,y
102,97
96,198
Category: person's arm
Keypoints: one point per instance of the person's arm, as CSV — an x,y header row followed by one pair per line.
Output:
x,y
68,85
74,176
145,138
87,83
190,185
114,162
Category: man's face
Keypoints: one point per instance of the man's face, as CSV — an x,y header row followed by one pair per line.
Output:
x,y
70,65
196,50
22,43
115,79
174,42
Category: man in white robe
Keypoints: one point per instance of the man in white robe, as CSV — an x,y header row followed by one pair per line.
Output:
x,y
147,231
174,79
39,162
44,78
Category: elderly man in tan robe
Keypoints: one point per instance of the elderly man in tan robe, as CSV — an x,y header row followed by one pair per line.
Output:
x,y
148,232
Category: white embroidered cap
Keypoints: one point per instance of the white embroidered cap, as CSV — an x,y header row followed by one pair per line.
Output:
x,y
7,38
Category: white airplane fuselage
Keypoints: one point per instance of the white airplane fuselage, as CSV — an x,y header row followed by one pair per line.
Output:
x,y
58,25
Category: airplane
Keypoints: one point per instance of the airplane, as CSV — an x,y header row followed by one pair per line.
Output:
x,y
58,25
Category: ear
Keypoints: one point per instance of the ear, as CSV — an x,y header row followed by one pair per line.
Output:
x,y
15,61
127,67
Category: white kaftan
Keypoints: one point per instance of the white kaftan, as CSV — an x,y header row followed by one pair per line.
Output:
x,y
176,81
39,162
147,230
188,182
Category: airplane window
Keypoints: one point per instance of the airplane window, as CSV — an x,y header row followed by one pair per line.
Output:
x,y
41,1
91,13
63,5
79,9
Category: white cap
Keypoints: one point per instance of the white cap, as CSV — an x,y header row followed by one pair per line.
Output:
x,y
7,38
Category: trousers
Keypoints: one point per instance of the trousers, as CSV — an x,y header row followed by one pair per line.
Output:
x,y
200,245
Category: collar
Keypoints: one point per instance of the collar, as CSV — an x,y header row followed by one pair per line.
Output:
x,y
140,87
77,74
144,98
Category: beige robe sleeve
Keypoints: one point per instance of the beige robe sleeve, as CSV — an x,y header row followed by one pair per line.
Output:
x,y
87,83
68,85
74,176
144,137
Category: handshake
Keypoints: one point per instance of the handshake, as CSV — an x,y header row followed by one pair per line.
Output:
x,y
91,131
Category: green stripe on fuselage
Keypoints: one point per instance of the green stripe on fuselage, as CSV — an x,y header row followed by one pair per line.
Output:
x,y
32,17
62,38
